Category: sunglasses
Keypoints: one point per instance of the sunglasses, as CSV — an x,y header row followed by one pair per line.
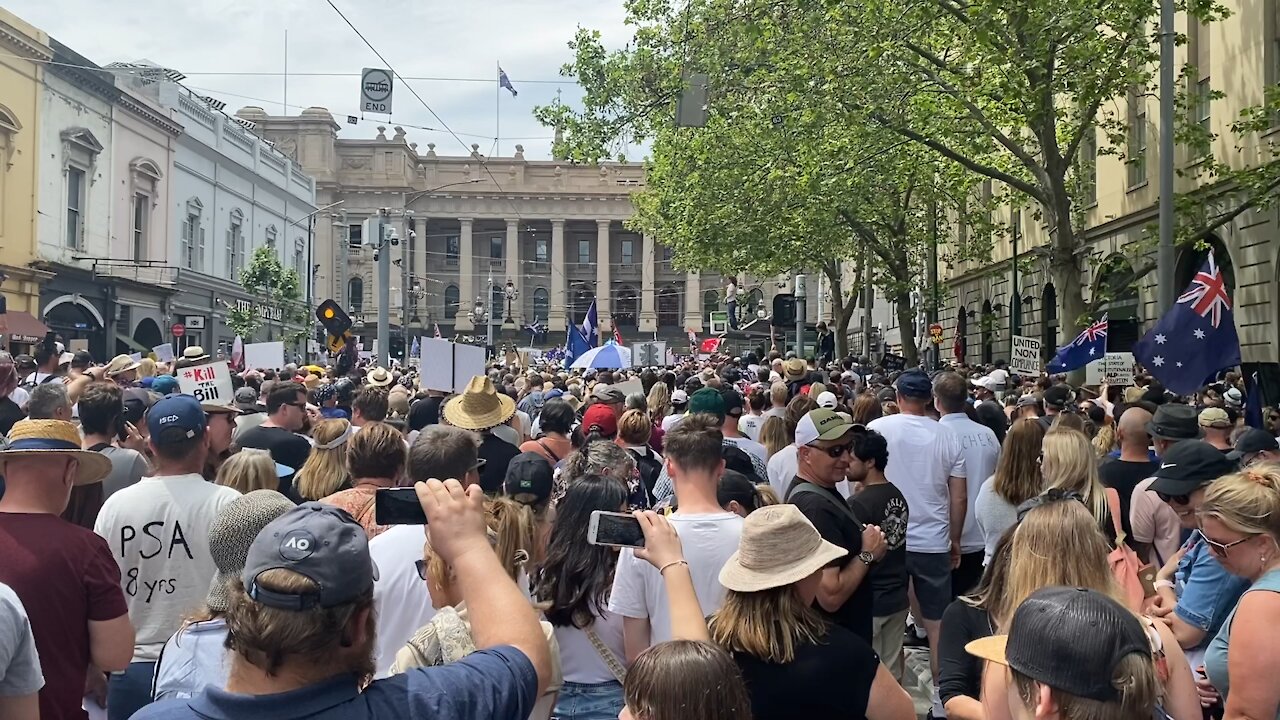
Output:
x,y
421,567
834,452
1221,549
1179,499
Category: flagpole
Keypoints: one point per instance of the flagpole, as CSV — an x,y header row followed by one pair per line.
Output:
x,y
497,113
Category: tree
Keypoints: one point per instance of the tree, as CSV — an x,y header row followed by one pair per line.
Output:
x,y
276,287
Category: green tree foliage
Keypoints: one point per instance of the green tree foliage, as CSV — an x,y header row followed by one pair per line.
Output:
x,y
276,287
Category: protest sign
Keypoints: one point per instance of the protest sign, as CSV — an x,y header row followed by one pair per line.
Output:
x,y
1117,369
265,355
208,383
448,366
164,352
1025,359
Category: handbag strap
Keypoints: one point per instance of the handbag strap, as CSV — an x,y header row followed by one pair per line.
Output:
x,y
1113,505
808,487
554,457
615,665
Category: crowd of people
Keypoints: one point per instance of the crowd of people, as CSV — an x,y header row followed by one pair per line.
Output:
x,y
1058,551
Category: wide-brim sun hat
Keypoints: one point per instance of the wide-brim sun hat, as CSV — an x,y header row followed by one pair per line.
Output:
x,y
195,353
794,370
480,406
778,547
47,438
379,377
233,530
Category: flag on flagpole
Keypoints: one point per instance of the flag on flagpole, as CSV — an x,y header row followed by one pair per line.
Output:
x,y
437,331
505,82
591,326
1196,338
415,350
237,354
617,336
1089,345
575,346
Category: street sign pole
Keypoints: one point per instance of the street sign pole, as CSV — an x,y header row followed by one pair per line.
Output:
x,y
384,292
800,314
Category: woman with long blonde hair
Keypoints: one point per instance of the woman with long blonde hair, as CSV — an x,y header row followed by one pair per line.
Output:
x,y
1016,480
325,471
1067,463
248,470
776,433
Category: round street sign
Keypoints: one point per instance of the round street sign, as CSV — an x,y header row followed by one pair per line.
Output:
x,y
935,331
178,329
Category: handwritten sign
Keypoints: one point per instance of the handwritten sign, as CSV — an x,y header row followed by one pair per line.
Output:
x,y
1026,356
207,383
1117,369
164,352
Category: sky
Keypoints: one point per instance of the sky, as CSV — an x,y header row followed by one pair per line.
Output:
x,y
209,40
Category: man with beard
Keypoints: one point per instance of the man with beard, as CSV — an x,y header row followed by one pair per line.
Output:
x,y
301,626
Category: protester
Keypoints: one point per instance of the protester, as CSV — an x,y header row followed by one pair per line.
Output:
x,y
1133,465
775,434
13,399
325,471
220,427
286,414
102,424
555,422
1156,528
733,409
49,401
738,495
1017,479
526,497
68,580
749,423
369,406
783,464
376,459
1240,523
795,662
1216,426
20,677
1067,463
480,408
251,469
968,618
196,656
981,450
679,402
284,655
161,525
1255,446
603,457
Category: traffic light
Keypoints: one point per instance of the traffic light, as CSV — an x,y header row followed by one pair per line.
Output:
x,y
784,310
334,319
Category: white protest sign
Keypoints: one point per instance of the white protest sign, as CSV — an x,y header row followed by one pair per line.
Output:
x,y
164,352
1026,356
136,357
629,387
1117,369
468,361
1093,373
208,383
448,366
264,356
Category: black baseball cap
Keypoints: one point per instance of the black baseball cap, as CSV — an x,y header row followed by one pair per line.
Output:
x,y
321,542
1252,441
1070,639
529,479
1058,396
914,384
732,401
1188,465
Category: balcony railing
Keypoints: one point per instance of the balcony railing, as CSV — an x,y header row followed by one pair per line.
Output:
x,y
144,272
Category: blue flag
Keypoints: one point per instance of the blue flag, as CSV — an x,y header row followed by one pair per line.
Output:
x,y
575,346
1253,402
1196,338
505,82
414,350
590,326
1089,345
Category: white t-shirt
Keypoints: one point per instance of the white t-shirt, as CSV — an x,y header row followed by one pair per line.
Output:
x,y
670,421
782,468
923,454
400,597
579,660
158,531
749,425
981,453
20,397
708,541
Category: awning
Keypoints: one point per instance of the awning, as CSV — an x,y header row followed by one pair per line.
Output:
x,y
21,327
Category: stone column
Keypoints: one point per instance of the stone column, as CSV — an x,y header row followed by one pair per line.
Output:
x,y
466,276
556,316
514,274
603,275
648,315
693,301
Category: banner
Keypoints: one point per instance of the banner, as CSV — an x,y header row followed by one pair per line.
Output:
x,y
207,383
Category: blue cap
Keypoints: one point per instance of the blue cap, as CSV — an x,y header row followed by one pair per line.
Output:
x,y
914,384
146,382
175,418
165,384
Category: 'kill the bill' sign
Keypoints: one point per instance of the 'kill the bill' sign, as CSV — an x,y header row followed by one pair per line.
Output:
x,y
207,383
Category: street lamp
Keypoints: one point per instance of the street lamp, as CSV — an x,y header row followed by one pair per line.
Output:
x,y
511,293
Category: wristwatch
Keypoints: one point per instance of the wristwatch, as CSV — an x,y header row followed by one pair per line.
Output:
x,y
866,557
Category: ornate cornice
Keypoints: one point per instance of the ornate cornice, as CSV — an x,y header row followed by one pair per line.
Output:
x,y
82,72
145,112
20,41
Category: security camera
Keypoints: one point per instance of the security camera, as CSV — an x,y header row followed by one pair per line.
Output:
x,y
375,256
413,235
395,240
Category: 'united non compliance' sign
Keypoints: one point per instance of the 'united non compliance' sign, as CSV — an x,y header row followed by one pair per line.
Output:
x,y
1026,356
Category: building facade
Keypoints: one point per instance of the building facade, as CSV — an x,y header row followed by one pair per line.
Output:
x,y
232,193
1239,55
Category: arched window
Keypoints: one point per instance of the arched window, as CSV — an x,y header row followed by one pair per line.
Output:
x,y
962,333
1191,259
754,301
541,305
625,305
710,303
451,302
988,331
1120,303
1048,321
583,296
355,294
669,307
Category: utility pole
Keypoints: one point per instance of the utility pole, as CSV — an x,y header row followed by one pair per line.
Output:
x,y
1164,253
1015,302
386,236
868,294
800,314
935,353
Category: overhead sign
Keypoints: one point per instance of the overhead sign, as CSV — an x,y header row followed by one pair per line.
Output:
x,y
178,329
1026,356
194,322
208,383
375,91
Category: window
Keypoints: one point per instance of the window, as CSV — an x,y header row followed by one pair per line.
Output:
x,y
192,240
1087,167
299,253
710,303
1198,55
584,252
271,234
75,208
541,305
541,250
495,248
1137,146
450,302
452,248
355,236
669,307
497,306
667,253
141,210
628,251
1202,102
235,244
355,294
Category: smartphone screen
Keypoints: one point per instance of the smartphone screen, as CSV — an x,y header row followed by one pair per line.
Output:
x,y
398,506
609,528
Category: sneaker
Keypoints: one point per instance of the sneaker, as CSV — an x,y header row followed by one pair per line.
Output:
x,y
912,639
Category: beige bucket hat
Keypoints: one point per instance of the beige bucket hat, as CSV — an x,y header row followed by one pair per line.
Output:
x,y
779,546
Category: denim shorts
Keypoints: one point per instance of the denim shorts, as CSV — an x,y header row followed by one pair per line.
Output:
x,y
600,701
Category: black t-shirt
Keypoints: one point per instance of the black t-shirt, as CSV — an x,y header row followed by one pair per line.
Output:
x,y
838,528
960,673
10,413
884,506
1123,476
829,679
497,454
286,448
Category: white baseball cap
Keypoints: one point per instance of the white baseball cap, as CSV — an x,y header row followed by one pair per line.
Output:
x,y
827,400
679,397
986,382
823,424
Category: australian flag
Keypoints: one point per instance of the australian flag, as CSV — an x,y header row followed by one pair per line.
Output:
x,y
1089,345
505,82
1196,338
590,326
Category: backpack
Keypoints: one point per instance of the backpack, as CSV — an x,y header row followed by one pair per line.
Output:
x,y
649,468
1125,565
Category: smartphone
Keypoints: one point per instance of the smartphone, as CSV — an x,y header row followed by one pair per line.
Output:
x,y
614,529
398,506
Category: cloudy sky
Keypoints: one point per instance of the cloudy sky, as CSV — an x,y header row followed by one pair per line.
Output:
x,y
235,50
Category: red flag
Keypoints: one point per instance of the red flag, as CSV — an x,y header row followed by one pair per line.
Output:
x,y
617,336
237,354
710,345
957,348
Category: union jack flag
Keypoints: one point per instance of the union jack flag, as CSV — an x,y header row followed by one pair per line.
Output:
x,y
1089,345
1208,293
1093,332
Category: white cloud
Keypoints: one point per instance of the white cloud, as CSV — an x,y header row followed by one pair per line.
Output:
x,y
210,39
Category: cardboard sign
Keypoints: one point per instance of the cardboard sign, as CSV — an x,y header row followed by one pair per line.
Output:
x,y
265,356
164,352
1026,356
207,383
631,386
1117,369
448,366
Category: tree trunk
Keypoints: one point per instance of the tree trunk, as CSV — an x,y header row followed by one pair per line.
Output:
x,y
1067,279
844,305
906,327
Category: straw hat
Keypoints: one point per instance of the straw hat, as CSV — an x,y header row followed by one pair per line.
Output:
x,y
794,369
120,364
29,438
378,377
312,382
195,353
779,546
480,406
233,531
